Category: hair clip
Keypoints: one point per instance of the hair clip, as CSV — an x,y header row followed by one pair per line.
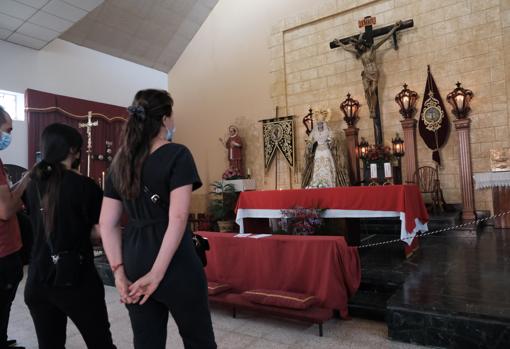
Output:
x,y
138,112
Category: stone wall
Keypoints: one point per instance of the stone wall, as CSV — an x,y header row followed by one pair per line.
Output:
x,y
462,40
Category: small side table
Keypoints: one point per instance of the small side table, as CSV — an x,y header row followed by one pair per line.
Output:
x,y
499,182
241,184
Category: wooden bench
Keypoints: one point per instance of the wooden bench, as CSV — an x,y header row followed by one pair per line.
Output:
x,y
314,315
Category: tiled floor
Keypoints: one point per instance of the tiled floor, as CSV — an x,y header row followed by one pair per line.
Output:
x,y
248,331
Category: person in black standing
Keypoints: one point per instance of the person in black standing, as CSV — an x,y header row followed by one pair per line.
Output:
x,y
62,280
156,268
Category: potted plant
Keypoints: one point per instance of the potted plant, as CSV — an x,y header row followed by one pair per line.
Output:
x,y
222,203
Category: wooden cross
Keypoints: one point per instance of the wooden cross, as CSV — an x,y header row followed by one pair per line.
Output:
x,y
89,126
367,38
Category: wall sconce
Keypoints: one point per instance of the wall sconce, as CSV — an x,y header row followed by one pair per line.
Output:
x,y
350,108
459,100
398,146
406,99
363,147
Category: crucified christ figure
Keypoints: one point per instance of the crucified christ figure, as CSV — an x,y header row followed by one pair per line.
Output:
x,y
370,74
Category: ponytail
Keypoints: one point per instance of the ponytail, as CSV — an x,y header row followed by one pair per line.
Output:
x,y
143,125
58,141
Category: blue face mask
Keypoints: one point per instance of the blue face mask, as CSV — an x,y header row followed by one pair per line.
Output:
x,y
5,140
170,134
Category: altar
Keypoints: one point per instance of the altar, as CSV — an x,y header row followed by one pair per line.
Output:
x,y
403,201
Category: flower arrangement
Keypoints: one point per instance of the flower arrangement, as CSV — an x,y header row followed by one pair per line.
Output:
x,y
379,152
231,173
301,221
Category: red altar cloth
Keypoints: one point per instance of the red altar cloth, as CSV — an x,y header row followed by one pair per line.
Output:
x,y
355,202
320,265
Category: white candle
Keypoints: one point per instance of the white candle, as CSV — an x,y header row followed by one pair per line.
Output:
x,y
387,170
405,101
102,180
373,170
248,172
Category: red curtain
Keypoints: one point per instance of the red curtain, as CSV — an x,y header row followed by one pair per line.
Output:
x,y
43,109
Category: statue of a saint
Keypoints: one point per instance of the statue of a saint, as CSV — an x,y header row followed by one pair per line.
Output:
x,y
370,74
234,146
322,165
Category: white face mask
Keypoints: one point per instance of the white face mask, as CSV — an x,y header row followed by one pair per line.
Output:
x,y
169,134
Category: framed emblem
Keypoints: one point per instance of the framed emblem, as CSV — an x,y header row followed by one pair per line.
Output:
x,y
432,114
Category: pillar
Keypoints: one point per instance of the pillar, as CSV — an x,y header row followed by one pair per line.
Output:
x,y
351,135
411,153
466,172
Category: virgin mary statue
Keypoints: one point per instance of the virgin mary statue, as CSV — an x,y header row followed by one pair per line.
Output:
x,y
322,166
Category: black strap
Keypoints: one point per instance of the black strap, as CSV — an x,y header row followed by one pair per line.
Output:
x,y
155,198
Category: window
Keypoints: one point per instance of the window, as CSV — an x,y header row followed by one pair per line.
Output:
x,y
14,104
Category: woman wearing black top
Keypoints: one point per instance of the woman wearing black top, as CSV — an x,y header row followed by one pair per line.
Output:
x,y
62,280
155,266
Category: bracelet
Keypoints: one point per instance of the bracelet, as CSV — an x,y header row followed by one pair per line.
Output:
x,y
116,267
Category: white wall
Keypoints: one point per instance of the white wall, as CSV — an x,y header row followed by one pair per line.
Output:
x,y
71,70
224,77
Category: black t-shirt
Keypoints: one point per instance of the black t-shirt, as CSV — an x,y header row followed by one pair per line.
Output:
x,y
77,212
169,167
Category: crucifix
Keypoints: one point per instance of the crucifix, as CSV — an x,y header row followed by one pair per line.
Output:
x,y
89,126
364,47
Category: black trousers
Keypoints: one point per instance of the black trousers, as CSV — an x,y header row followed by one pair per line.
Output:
x,y
149,322
83,304
11,273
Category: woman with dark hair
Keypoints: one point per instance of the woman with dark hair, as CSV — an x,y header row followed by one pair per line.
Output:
x,y
62,280
154,262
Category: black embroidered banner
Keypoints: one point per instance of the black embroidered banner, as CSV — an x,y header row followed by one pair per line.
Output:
x,y
278,134
433,125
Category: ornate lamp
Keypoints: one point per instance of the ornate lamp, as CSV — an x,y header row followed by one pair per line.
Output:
x,y
398,152
398,146
363,149
406,99
459,100
350,108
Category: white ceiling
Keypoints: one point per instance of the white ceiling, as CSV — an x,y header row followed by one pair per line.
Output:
x,y
153,33
35,23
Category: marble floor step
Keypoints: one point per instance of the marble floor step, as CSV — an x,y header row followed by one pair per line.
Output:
x,y
369,305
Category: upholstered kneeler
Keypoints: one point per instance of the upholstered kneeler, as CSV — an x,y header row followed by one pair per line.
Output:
x,y
313,314
217,287
281,299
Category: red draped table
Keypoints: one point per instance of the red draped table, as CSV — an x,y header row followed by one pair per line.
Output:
x,y
403,201
320,265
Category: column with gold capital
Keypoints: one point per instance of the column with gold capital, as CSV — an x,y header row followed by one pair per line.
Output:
x,y
411,156
466,172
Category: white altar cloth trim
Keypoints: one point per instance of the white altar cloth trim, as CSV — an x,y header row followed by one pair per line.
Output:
x,y
492,179
332,213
